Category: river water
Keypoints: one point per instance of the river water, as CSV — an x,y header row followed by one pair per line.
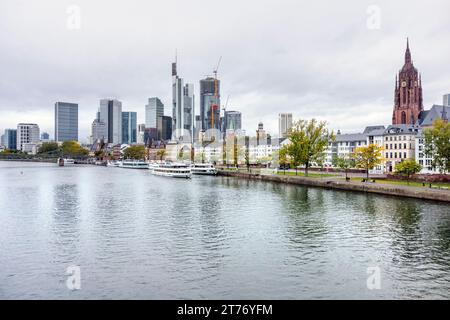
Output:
x,y
132,235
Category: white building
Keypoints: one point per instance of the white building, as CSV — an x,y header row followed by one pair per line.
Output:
x,y
284,124
344,146
375,135
399,144
27,133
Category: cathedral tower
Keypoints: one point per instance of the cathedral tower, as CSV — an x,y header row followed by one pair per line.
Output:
x,y
408,93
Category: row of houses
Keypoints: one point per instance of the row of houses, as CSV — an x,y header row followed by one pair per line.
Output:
x,y
399,142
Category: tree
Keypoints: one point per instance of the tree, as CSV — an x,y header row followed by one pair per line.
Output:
x,y
344,163
309,140
134,152
407,168
48,147
73,149
368,157
161,153
437,145
282,158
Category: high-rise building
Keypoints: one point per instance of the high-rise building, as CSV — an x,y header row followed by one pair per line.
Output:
x,y
164,128
129,127
446,100
284,124
197,127
10,139
27,133
99,131
45,136
408,93
141,133
153,110
210,103
232,121
182,105
111,115
261,136
66,121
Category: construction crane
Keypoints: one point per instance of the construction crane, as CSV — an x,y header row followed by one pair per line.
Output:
x,y
215,106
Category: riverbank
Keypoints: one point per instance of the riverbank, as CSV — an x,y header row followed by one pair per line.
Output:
x,y
341,184
30,160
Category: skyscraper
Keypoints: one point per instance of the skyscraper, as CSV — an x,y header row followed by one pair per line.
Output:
x,y
110,113
66,121
164,128
182,105
153,110
210,103
446,100
284,124
27,133
99,131
232,121
141,133
408,93
10,139
129,127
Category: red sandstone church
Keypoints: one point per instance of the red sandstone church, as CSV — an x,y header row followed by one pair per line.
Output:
x,y
408,93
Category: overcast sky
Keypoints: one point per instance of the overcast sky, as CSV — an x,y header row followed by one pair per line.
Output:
x,y
332,60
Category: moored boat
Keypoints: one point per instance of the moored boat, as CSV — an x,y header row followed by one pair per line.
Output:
x,y
203,169
174,170
133,164
62,162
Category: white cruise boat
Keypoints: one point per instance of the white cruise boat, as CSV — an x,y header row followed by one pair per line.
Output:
x,y
203,169
133,164
174,170
65,162
113,164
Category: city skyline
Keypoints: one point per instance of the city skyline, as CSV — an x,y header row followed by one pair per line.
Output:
x,y
344,77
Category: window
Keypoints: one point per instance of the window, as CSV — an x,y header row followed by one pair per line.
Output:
x,y
403,117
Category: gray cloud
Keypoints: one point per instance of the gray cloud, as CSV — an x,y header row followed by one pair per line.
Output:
x,y
313,59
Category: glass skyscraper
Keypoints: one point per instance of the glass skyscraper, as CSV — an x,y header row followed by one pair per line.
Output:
x,y
10,139
232,121
209,104
129,127
110,114
153,110
66,121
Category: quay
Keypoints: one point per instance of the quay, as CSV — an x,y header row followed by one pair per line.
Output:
x,y
341,184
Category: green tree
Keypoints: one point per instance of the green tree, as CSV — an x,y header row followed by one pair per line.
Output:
x,y
437,145
161,153
283,158
407,168
48,147
368,157
73,149
344,163
134,152
309,140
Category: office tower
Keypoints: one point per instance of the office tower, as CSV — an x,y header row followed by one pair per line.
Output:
x,y
45,136
164,128
446,100
210,103
3,141
188,111
261,136
129,127
66,121
27,133
141,132
111,115
197,127
153,110
284,124
99,131
10,139
232,120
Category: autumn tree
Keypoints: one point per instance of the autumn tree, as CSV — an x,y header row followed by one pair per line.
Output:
x,y
368,157
308,142
407,168
344,163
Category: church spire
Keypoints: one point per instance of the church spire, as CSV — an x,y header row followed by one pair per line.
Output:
x,y
408,52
